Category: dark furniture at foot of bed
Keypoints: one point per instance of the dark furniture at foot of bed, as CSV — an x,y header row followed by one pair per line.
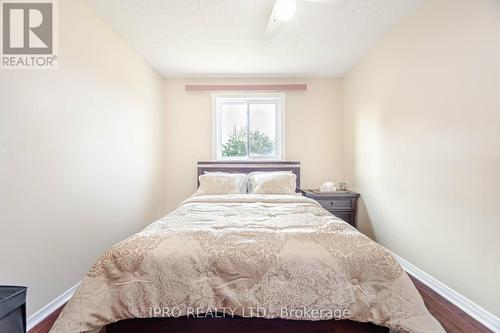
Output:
x,y
240,325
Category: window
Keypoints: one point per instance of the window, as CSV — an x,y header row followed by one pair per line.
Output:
x,y
248,126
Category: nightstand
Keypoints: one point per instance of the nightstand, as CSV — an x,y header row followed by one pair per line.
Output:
x,y
341,203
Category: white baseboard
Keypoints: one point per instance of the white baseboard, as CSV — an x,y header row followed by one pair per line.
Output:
x,y
48,309
472,309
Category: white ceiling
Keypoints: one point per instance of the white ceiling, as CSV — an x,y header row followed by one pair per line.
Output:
x,y
227,37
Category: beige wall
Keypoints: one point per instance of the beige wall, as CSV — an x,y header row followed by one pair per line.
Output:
x,y
80,156
422,116
313,125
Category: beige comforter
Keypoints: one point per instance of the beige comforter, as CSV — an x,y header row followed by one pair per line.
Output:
x,y
272,256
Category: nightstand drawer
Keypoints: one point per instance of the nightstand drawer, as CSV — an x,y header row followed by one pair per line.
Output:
x,y
340,204
337,203
346,216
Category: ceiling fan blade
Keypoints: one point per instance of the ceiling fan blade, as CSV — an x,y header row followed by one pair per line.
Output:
x,y
273,25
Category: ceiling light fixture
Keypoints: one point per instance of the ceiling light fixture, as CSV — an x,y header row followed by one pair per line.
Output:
x,y
285,9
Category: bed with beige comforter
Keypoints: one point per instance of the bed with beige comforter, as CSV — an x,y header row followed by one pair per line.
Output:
x,y
271,256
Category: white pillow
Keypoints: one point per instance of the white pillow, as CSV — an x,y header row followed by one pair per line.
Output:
x,y
248,183
221,183
280,182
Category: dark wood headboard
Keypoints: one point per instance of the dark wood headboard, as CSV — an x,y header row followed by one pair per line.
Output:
x,y
250,166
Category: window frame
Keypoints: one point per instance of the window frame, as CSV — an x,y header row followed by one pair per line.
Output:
x,y
268,98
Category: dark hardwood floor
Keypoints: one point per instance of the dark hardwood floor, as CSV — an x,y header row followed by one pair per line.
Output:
x,y
47,323
452,318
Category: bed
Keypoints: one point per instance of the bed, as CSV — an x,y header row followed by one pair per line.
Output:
x,y
247,263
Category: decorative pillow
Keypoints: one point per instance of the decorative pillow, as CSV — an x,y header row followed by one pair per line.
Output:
x,y
248,183
221,183
272,182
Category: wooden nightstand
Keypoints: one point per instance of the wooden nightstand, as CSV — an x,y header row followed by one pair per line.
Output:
x,y
341,204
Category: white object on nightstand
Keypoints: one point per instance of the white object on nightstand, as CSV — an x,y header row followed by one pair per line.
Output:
x,y
328,187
